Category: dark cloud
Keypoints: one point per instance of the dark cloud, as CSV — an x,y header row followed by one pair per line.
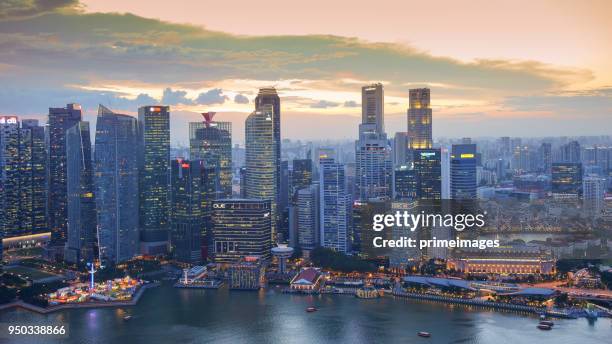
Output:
x,y
351,103
323,104
12,9
241,99
214,96
171,97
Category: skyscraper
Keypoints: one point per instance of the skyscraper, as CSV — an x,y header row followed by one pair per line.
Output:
x,y
545,161
307,204
419,119
9,176
570,152
400,149
334,205
60,120
268,100
211,142
33,177
594,190
241,227
373,107
301,176
373,163
186,210
463,171
405,183
427,166
262,166
116,180
81,243
154,155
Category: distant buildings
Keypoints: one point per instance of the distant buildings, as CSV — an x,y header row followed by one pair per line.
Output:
x,y
241,227
594,191
427,166
154,155
420,119
116,181
82,241
60,120
566,180
463,182
405,183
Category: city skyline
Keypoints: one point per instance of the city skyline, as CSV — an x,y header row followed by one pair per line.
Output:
x,y
199,67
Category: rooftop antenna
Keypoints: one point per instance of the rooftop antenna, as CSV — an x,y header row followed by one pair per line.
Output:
x,y
208,118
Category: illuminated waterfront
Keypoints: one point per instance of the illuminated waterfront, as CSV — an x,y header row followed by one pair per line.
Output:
x,y
167,314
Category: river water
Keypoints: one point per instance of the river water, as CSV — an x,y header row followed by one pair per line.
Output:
x,y
169,315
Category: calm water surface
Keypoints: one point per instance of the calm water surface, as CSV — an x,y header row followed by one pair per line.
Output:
x,y
168,315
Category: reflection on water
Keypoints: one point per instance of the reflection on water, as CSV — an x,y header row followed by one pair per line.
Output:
x,y
168,315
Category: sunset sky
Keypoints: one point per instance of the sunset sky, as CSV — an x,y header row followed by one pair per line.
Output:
x,y
517,68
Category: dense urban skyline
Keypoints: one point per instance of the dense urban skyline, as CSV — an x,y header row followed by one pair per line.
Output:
x,y
89,53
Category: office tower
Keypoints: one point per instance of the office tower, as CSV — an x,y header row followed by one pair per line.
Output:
x,y
566,180
9,176
33,177
262,166
373,165
400,149
501,169
505,147
594,190
520,159
268,101
419,119
237,157
427,166
361,234
81,242
373,107
545,157
301,176
241,227
570,152
60,120
283,203
308,217
402,258
463,172
116,181
211,142
334,206
186,219
405,184
154,156
445,173
242,172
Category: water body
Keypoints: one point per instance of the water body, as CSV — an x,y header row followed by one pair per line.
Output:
x,y
169,315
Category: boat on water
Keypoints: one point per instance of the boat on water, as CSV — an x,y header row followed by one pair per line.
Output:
x,y
547,323
311,309
424,334
127,317
544,327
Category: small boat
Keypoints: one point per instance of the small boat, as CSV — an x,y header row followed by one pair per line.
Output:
x,y
542,317
544,327
127,317
547,323
424,334
311,309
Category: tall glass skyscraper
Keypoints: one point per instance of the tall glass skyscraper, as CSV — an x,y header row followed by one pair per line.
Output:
x,y
186,219
335,206
463,171
60,120
373,164
116,180
419,119
427,167
301,176
262,166
9,176
81,243
307,204
373,106
154,175
33,177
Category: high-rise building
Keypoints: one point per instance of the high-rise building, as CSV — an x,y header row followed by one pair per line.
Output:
x,y
334,205
241,227
60,120
301,176
116,181
283,203
405,183
419,119
211,142
267,100
400,149
9,176
154,178
594,191
262,166
186,219
427,166
373,107
308,217
33,177
566,179
445,165
545,157
373,163
81,244
463,171
570,152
